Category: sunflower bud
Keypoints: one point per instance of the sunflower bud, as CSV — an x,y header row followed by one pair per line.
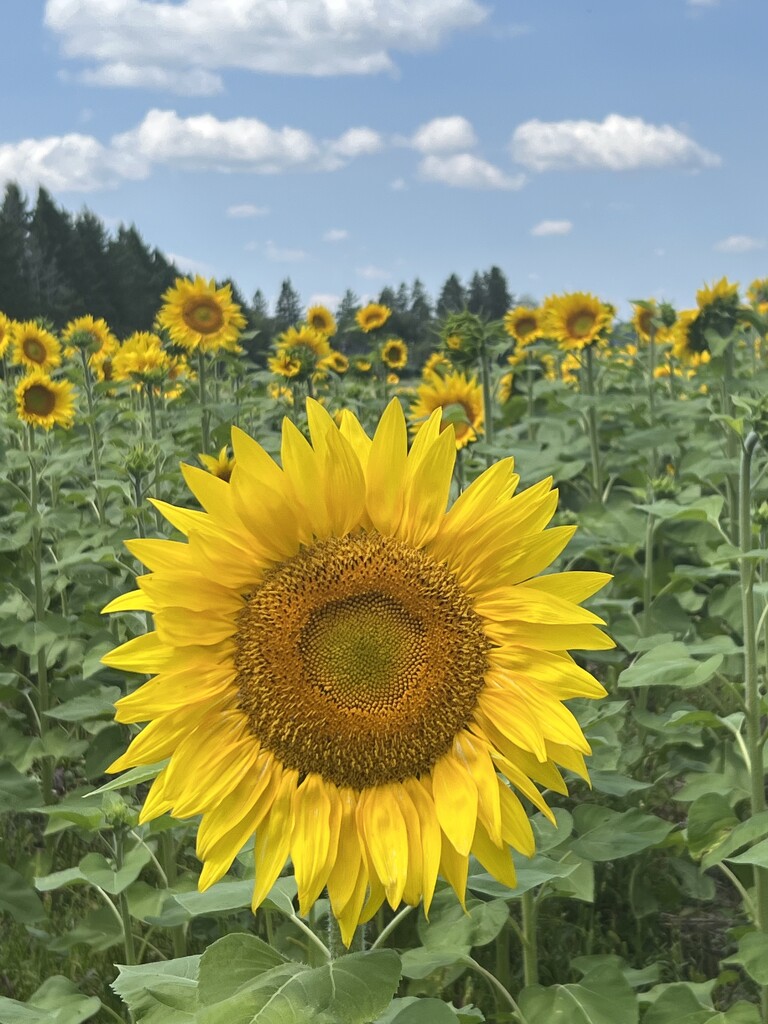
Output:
x,y
760,515
117,812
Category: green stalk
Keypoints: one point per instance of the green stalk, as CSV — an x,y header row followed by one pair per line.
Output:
x,y
754,739
149,388
485,372
205,413
652,395
504,956
530,939
95,455
731,443
168,860
125,914
594,445
43,690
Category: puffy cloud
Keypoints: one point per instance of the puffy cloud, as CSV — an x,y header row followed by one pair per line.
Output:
x,y
552,227
357,142
739,243
465,170
67,163
247,210
196,82
615,144
307,37
336,235
443,134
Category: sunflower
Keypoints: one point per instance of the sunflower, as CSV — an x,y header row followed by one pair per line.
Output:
x,y
351,673
576,319
280,393
643,317
94,336
720,291
687,336
569,368
436,364
394,353
34,347
220,465
757,293
197,314
305,339
284,365
372,316
142,359
6,324
337,362
460,401
43,402
506,388
322,320
362,365
524,324
393,378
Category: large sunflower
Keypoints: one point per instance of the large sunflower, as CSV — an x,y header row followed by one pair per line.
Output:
x,y
460,401
34,347
197,314
524,324
365,681
372,316
576,319
43,402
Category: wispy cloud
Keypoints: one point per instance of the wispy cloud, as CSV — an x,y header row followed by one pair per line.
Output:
x,y
242,210
373,273
739,243
336,235
276,254
552,227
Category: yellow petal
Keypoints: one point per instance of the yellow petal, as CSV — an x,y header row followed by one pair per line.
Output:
x,y
473,755
385,472
144,653
353,431
430,835
572,586
515,823
273,839
426,494
162,555
512,717
454,868
156,802
311,838
134,600
343,878
381,823
497,860
455,796
214,494
240,812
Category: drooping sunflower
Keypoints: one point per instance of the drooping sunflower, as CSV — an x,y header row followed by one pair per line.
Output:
x,y
687,337
576,319
306,340
524,324
220,465
94,336
757,293
360,678
5,333
719,291
362,365
322,320
438,364
44,402
642,319
506,388
337,362
34,347
372,316
394,354
284,365
142,359
198,315
460,400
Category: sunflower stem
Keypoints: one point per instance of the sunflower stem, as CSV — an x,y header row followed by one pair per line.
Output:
x,y
530,939
752,699
485,373
731,443
388,929
95,456
498,988
336,946
168,861
652,394
205,413
125,914
594,444
504,955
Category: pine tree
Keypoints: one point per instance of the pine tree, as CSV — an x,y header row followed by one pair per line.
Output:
x,y
346,310
420,312
88,271
452,298
50,260
287,308
137,278
497,297
15,293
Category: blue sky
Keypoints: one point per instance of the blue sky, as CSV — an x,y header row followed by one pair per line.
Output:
x,y
602,145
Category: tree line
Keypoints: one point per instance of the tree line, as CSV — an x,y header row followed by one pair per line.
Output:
x,y
58,266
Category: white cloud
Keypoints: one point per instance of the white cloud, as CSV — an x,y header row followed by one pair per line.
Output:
x,y
307,37
190,266
398,185
247,210
616,144
277,255
336,235
464,170
357,142
195,82
326,299
739,243
372,273
66,163
443,134
552,227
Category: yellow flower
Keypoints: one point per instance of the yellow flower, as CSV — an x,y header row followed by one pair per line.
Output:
x,y
569,368
642,319
363,365
392,378
350,672
372,316
337,362
576,319
304,341
460,400
6,325
757,293
34,347
506,387
280,393
220,465
322,320
437,364
141,358
721,290
686,336
524,324
94,336
454,342
394,354
43,402
284,365
197,314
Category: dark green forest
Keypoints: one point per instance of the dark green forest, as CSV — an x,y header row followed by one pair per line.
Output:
x,y
58,265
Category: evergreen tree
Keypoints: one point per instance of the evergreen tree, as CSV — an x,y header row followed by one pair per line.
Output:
x,y
137,279
452,298
402,299
50,260
260,322
88,270
387,297
346,310
287,308
15,296
420,313
497,297
476,297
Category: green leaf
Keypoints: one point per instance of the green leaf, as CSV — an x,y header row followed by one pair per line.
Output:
x,y
450,926
17,898
422,1011
57,1001
602,997
752,955
757,855
160,993
679,1002
231,964
669,665
17,792
97,869
710,818
744,833
133,777
610,835
420,963
94,705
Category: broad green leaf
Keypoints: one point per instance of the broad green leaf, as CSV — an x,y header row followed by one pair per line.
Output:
x,y
757,855
17,898
752,955
160,993
669,665
97,869
17,792
95,705
679,1002
744,833
602,997
57,1001
710,818
450,926
425,1011
609,835
231,964
421,962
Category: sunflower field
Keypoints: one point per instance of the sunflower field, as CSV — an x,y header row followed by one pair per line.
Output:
x,y
347,690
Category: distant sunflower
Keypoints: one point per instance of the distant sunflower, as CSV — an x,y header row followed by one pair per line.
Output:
x,y
220,465
141,358
372,316
576,319
506,388
394,354
34,347
438,364
362,365
352,673
642,319
197,314
284,365
93,336
524,324
43,402
719,291
461,403
5,333
757,293
322,320
337,362
306,340
687,337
